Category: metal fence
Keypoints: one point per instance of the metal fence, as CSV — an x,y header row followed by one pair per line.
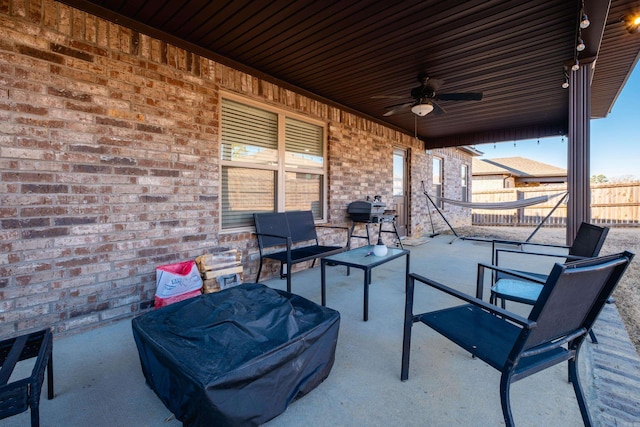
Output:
x,y
612,204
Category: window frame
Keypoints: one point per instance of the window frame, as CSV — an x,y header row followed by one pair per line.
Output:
x,y
438,197
279,168
464,184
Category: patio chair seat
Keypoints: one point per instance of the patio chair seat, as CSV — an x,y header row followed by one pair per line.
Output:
x,y
521,291
486,336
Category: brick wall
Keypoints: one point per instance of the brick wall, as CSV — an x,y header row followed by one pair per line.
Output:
x,y
109,165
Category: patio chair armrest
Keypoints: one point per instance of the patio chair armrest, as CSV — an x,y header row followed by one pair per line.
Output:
x,y
523,243
494,251
511,251
516,273
332,226
287,241
474,301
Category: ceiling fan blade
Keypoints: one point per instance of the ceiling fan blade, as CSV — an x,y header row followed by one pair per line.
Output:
x,y
397,108
388,97
471,96
399,105
437,109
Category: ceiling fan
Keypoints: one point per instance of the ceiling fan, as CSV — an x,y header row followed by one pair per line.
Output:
x,y
425,97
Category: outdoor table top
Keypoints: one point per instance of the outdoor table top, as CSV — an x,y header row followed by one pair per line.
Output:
x,y
363,257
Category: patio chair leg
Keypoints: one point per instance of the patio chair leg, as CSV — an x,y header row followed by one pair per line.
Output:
x,y
592,335
408,323
50,392
35,416
288,277
505,400
575,380
259,270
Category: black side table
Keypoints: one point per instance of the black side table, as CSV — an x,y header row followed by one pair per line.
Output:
x,y
363,259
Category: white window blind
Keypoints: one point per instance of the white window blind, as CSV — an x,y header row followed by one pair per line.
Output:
x,y
304,145
249,134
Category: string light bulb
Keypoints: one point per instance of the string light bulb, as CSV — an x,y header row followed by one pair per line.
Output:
x,y
581,46
565,85
632,22
584,21
575,66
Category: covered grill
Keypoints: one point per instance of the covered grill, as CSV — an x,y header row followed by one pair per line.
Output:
x,y
366,210
372,211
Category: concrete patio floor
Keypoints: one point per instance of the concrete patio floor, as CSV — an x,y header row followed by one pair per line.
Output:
x,y
98,380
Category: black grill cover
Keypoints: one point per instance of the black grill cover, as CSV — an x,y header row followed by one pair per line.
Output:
x,y
236,357
365,210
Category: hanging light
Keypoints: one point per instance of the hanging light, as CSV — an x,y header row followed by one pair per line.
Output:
x,y
575,66
632,22
584,21
422,109
580,46
565,85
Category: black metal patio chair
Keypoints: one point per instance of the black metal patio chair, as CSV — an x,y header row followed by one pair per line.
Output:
x,y
587,244
565,311
19,393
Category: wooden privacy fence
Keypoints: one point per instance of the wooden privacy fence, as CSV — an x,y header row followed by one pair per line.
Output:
x,y
612,204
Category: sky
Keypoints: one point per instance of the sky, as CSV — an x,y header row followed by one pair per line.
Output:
x,y
615,140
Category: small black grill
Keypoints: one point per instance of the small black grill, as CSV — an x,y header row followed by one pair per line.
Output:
x,y
366,210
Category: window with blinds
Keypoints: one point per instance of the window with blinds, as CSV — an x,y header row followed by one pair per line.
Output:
x,y
271,162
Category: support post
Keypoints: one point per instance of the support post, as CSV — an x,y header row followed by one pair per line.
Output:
x,y
578,154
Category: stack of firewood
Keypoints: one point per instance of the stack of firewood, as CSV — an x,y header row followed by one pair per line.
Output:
x,y
220,270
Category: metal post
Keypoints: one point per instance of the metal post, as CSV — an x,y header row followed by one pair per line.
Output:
x,y
579,204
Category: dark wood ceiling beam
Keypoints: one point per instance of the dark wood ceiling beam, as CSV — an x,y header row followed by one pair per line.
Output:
x,y
543,130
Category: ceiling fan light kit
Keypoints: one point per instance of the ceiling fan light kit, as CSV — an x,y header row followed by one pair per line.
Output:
x,y
422,109
425,98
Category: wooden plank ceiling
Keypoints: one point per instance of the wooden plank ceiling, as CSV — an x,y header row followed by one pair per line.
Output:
x,y
366,55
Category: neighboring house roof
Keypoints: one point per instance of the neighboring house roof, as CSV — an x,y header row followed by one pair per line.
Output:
x,y
518,167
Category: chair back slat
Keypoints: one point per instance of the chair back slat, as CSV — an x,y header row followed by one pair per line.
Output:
x,y
302,226
271,223
574,295
588,241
